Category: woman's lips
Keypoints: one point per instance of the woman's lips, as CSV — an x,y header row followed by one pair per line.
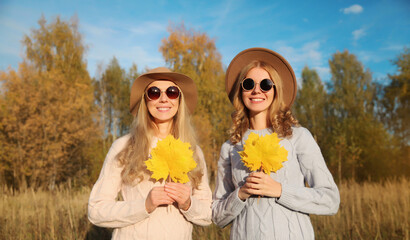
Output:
x,y
163,109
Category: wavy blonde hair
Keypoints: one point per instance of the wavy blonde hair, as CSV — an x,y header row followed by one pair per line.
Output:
x,y
142,132
280,118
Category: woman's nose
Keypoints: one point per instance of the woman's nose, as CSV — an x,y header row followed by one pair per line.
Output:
x,y
256,89
163,97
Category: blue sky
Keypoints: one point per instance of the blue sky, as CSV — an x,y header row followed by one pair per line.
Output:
x,y
305,32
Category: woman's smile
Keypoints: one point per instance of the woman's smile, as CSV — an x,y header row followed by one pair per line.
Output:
x,y
257,100
163,109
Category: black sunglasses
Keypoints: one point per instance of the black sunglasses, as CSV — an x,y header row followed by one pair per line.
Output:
x,y
154,93
248,84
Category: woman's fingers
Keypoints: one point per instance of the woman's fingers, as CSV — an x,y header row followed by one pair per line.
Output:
x,y
156,197
259,183
178,189
243,193
252,185
257,174
254,180
179,192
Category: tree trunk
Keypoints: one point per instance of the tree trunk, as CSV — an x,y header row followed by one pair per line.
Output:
x,y
340,166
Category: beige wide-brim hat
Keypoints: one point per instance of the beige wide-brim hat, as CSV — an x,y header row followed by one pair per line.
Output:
x,y
270,57
185,83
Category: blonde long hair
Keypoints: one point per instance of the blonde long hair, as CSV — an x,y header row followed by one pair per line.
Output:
x,y
280,118
142,133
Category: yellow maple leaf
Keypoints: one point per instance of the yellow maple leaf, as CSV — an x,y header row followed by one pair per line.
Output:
x,y
263,153
171,157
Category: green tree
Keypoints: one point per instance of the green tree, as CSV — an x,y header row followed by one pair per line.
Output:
x,y
311,110
397,99
125,116
195,54
46,112
351,107
395,112
112,97
310,104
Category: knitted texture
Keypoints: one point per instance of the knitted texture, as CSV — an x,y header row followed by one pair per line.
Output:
x,y
286,217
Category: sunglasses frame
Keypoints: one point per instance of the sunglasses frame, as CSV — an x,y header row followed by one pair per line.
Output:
x,y
160,92
255,83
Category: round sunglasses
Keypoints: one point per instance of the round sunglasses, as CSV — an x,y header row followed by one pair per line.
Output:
x,y
154,93
248,84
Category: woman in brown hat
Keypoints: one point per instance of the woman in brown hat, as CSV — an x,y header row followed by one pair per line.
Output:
x,y
265,203
161,102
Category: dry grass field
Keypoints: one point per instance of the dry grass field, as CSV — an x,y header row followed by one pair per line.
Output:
x,y
367,211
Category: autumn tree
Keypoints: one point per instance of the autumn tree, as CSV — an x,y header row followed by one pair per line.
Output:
x,y
194,54
46,114
351,107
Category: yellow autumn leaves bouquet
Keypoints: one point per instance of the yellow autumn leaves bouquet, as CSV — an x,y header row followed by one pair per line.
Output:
x,y
263,153
171,157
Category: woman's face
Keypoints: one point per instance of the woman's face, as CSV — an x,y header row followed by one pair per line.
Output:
x,y
257,101
164,108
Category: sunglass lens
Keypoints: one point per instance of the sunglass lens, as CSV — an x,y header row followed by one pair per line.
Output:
x,y
172,92
153,93
266,85
248,84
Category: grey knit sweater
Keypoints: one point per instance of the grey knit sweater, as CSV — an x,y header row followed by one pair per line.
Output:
x,y
286,217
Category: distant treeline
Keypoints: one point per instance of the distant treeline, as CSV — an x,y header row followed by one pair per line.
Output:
x,y
57,123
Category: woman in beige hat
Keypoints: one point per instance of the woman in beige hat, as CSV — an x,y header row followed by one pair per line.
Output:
x,y
161,102
262,87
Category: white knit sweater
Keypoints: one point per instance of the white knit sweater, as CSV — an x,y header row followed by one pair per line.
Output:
x,y
286,217
129,217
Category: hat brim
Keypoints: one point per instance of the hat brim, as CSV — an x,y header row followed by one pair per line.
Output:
x,y
185,83
270,57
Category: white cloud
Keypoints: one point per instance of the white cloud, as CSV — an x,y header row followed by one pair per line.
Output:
x,y
132,43
394,47
96,31
140,54
143,28
324,73
367,56
359,33
354,9
148,28
311,51
307,55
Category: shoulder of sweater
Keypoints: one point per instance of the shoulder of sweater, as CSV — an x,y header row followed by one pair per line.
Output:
x,y
199,152
227,145
298,133
120,142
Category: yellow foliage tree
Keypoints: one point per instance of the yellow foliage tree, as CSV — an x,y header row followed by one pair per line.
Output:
x,y
195,54
46,115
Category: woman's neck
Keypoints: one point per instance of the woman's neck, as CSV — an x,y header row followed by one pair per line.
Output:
x,y
163,129
258,121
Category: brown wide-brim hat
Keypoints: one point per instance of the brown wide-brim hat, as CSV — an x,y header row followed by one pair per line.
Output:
x,y
185,83
270,57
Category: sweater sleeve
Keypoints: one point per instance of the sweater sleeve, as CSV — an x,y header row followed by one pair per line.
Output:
x,y
322,197
103,208
226,204
200,211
